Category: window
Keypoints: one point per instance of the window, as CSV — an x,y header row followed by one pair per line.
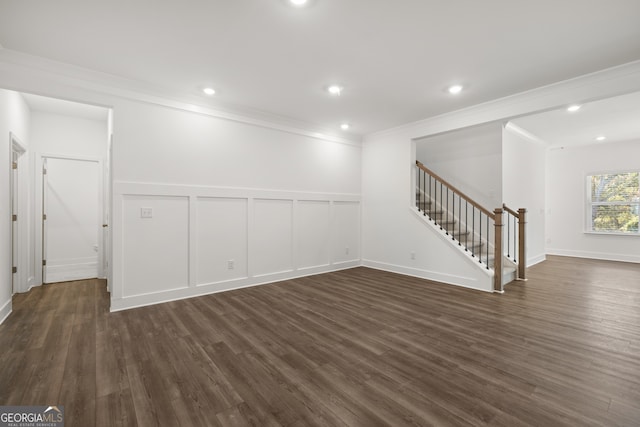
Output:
x,y
614,203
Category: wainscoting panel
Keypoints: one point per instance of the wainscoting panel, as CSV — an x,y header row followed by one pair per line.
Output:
x,y
201,240
272,242
313,233
221,239
346,232
155,248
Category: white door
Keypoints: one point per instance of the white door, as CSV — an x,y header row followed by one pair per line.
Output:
x,y
71,222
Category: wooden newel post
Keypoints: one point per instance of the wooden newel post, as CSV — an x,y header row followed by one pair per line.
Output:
x,y
522,253
497,249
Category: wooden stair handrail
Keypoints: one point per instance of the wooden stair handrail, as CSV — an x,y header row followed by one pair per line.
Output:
x,y
508,209
455,190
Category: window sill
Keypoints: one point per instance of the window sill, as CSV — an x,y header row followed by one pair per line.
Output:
x,y
604,233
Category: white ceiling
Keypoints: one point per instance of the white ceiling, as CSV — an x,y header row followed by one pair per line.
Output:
x,y
617,118
67,108
394,58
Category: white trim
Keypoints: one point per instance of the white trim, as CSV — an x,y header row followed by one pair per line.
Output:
x,y
230,285
192,230
536,260
601,84
517,130
6,310
44,74
605,233
19,182
447,279
68,272
121,190
595,255
38,208
159,189
589,203
447,238
16,144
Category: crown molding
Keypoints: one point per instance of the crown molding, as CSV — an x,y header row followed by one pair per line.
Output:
x,y
517,130
601,84
33,74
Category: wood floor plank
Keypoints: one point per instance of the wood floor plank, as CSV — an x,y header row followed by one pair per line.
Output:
x,y
358,347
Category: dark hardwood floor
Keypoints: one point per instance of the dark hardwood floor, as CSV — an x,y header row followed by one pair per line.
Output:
x,y
352,348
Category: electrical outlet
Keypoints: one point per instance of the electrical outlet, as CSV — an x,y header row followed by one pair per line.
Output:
x,y
413,255
146,213
231,264
346,250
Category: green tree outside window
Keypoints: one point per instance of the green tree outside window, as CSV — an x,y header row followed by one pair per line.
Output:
x,y
615,202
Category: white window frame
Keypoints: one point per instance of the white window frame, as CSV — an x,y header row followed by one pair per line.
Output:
x,y
589,205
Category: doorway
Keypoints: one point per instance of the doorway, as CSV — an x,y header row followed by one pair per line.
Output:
x,y
18,214
72,207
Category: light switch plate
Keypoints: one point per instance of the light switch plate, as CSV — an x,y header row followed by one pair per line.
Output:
x,y
146,213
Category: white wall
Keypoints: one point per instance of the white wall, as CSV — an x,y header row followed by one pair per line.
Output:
x,y
389,229
14,118
165,145
63,136
523,186
233,204
566,200
470,159
392,231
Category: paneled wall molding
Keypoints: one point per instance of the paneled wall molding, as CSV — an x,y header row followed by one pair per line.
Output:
x,y
160,189
180,241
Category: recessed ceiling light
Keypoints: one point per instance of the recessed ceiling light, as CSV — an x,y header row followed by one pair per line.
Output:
x,y
345,126
574,108
455,89
601,138
335,90
298,3
209,91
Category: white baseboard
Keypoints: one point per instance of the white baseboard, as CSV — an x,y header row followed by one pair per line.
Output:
x,y
536,260
465,282
5,310
595,255
212,288
68,272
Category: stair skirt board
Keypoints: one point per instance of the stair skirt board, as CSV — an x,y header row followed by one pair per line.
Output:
x,y
509,269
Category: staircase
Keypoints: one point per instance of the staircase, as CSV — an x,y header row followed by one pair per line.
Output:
x,y
479,231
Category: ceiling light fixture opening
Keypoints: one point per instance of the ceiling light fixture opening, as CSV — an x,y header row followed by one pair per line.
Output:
x,y
209,91
601,138
455,89
574,108
335,90
298,3
345,126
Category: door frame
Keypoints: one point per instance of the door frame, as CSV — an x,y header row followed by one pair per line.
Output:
x,y
18,194
39,209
